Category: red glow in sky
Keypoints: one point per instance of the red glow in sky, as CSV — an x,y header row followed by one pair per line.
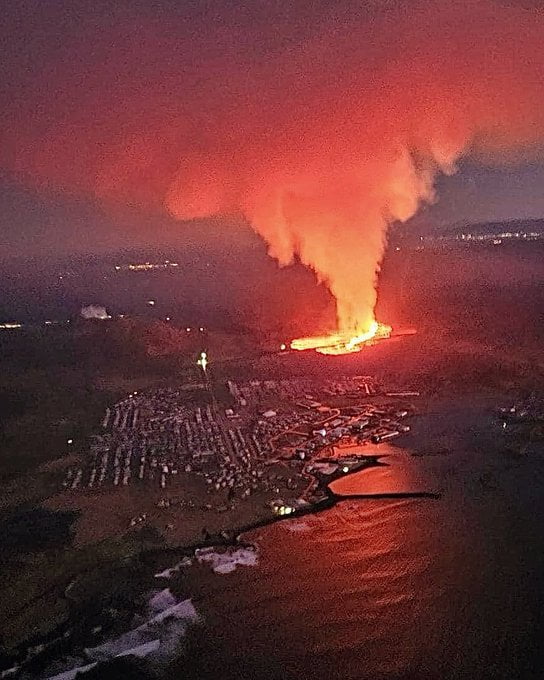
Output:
x,y
319,126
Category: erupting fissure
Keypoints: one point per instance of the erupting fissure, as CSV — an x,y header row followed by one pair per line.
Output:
x,y
343,343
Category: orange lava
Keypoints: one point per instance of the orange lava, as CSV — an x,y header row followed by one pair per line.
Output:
x,y
343,343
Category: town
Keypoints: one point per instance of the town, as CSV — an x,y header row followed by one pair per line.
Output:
x,y
272,439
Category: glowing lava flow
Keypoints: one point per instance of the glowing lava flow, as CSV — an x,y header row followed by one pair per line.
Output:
x,y
342,343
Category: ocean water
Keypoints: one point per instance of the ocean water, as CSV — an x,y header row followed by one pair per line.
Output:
x,y
430,589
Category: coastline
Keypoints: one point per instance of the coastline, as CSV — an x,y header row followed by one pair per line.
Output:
x,y
146,559
97,567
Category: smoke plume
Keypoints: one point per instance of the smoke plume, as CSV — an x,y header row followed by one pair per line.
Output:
x,y
320,127
94,312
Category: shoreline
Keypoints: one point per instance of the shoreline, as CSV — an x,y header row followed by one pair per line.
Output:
x,y
228,538
332,499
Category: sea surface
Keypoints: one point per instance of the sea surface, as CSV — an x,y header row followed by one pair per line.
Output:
x,y
449,588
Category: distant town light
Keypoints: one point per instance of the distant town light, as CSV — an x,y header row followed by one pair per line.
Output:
x,y
201,329
145,266
283,346
167,318
70,441
151,302
188,329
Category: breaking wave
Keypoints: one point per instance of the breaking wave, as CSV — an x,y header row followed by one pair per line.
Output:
x,y
157,638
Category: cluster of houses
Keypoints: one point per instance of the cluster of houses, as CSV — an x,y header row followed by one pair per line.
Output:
x,y
301,389
153,437
313,423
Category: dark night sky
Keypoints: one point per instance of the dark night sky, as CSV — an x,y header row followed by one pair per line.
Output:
x,y
52,52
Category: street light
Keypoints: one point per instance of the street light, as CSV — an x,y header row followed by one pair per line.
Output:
x,y
203,361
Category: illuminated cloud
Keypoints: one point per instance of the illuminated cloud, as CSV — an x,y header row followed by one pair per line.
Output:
x,y
320,134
